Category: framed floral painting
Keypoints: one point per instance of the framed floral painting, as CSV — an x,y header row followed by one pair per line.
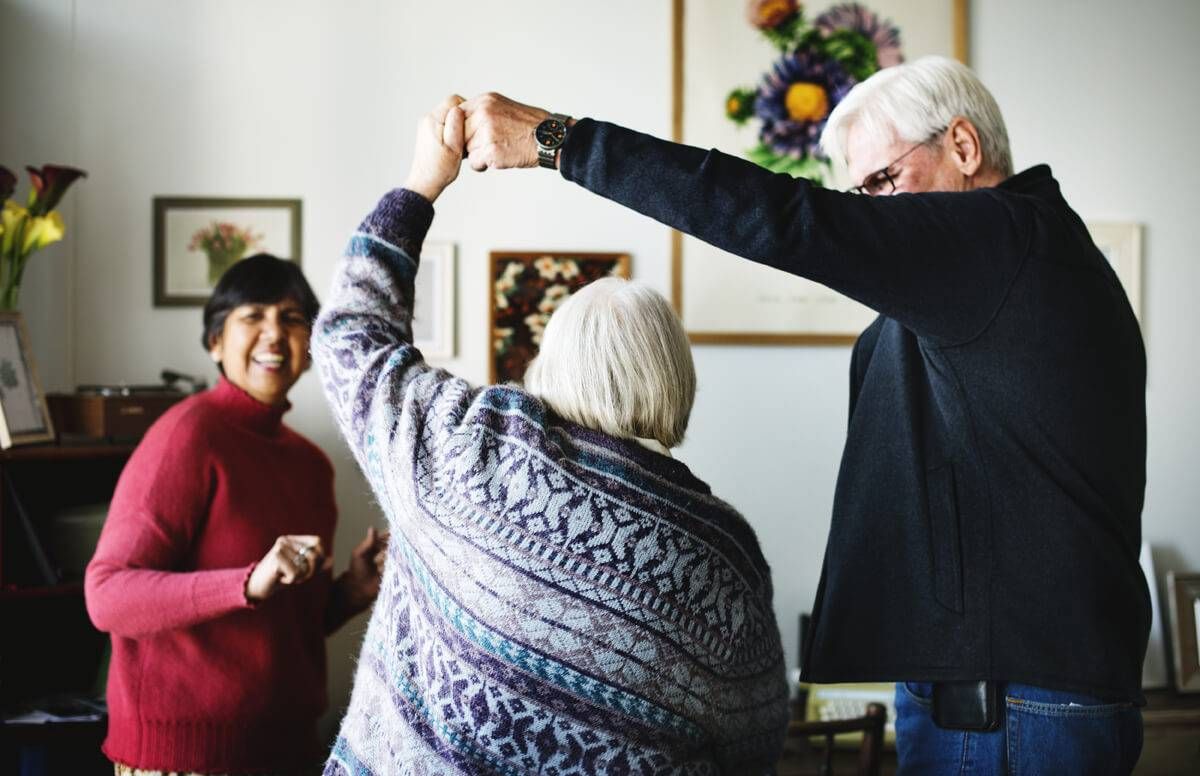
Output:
x,y
783,66
525,288
197,238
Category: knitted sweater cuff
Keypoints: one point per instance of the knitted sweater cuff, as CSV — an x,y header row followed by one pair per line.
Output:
x,y
225,590
401,218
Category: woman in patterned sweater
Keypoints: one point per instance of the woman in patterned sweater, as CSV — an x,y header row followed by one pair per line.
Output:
x,y
560,595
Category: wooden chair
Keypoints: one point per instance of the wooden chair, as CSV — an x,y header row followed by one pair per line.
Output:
x,y
871,726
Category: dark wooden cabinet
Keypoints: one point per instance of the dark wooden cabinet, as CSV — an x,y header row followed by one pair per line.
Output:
x,y
52,504
1171,734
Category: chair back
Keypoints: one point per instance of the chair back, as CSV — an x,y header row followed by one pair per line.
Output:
x,y
871,726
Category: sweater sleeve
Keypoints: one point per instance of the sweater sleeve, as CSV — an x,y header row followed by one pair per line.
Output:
x,y
137,583
940,263
393,409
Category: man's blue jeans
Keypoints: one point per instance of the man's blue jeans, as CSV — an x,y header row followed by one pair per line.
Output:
x,y
1041,732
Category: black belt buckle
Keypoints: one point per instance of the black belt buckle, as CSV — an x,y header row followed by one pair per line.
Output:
x,y
966,705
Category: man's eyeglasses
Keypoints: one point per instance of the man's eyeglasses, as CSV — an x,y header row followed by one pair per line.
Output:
x,y
881,182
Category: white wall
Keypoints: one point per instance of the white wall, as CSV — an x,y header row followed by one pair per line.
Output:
x,y
318,100
1103,92
37,126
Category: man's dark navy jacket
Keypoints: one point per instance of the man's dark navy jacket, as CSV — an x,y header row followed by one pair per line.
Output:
x,y
987,520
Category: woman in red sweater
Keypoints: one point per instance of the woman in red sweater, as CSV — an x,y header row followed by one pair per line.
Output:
x,y
213,572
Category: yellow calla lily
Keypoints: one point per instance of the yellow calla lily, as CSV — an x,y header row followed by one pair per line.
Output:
x,y
42,231
25,230
11,218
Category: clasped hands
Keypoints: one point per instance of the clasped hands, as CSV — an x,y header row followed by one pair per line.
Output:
x,y
490,131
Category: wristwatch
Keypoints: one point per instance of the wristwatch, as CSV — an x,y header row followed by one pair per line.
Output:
x,y
550,136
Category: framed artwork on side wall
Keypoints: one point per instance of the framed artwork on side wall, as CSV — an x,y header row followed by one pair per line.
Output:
x,y
723,299
1183,590
1121,244
197,238
434,301
525,288
1154,667
24,418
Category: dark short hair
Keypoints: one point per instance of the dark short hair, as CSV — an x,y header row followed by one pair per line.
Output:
x,y
259,279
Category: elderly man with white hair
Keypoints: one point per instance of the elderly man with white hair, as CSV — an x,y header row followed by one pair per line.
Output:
x,y
983,551
560,594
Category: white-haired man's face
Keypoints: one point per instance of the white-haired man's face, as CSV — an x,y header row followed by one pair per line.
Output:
x,y
949,160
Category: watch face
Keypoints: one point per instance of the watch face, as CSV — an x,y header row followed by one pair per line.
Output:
x,y
551,133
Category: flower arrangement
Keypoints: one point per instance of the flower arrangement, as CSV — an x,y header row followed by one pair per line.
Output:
x,y
818,65
24,230
224,244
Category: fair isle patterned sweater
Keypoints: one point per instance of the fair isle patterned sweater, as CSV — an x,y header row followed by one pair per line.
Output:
x,y
555,600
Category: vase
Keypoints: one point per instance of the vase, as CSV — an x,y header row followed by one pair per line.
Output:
x,y
219,261
8,298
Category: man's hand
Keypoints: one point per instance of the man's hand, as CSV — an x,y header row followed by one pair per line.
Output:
x,y
438,153
500,132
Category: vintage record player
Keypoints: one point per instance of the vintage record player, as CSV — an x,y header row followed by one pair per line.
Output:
x,y
116,413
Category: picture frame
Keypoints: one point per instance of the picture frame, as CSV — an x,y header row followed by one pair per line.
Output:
x,y
1154,667
1183,593
189,255
24,417
524,288
1121,244
434,305
723,299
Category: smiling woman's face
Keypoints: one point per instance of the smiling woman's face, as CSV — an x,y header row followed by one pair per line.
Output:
x,y
263,348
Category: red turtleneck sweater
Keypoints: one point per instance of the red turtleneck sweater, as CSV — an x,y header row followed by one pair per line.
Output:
x,y
201,680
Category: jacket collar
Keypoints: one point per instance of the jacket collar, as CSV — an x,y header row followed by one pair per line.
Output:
x,y
1034,180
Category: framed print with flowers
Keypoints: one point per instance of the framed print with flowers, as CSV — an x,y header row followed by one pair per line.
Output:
x,y
197,238
783,66
525,288
24,418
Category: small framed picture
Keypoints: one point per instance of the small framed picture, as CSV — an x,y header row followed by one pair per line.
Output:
x,y
24,418
1121,244
197,238
1154,667
525,288
1183,590
434,301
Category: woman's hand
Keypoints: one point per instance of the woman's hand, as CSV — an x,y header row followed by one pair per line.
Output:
x,y
292,560
439,150
360,583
